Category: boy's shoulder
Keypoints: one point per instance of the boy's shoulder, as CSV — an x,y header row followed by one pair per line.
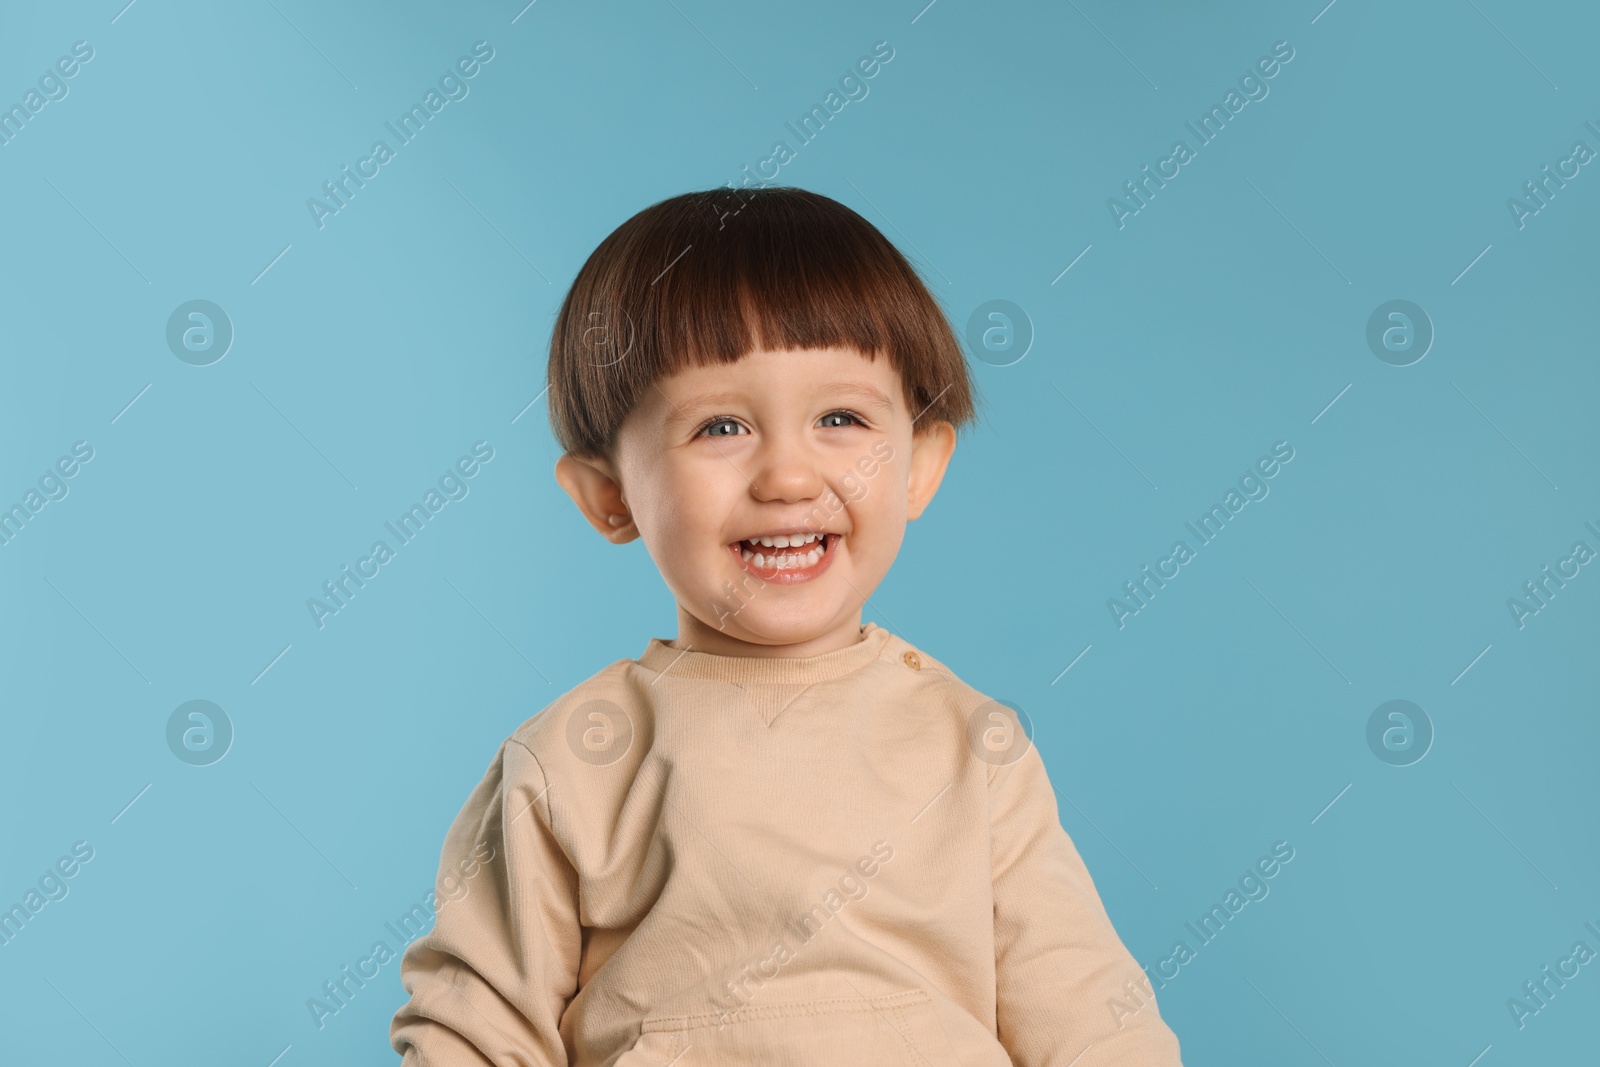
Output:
x,y
598,712
930,670
994,731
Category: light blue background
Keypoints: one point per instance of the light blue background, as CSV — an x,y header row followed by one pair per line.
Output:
x,y
1223,318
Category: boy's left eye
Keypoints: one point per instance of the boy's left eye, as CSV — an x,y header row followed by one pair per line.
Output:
x,y
848,418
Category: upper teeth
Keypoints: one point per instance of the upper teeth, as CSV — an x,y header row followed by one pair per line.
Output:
x,y
784,540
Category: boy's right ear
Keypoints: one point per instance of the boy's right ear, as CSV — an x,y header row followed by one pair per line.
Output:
x,y
592,484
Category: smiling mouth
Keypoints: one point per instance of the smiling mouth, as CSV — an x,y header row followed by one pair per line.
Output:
x,y
796,555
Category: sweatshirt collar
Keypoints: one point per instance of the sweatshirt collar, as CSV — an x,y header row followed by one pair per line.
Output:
x,y
772,670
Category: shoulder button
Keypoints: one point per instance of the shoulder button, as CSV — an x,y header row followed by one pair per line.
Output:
x,y
912,661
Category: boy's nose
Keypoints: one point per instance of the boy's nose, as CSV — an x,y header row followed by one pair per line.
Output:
x,y
786,471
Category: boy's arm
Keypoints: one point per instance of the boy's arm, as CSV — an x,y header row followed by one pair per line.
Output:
x,y
1058,962
490,981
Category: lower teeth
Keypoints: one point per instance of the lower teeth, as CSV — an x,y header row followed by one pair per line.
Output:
x,y
786,561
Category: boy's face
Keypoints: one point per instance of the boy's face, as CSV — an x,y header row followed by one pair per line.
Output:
x,y
779,445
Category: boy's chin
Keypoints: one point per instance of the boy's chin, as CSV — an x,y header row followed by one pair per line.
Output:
x,y
778,632
777,629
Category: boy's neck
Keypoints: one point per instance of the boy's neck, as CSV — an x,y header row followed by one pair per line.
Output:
x,y
696,635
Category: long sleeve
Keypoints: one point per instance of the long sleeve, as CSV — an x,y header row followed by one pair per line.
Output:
x,y
1059,964
490,982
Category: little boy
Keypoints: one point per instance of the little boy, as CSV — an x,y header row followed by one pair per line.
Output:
x,y
783,837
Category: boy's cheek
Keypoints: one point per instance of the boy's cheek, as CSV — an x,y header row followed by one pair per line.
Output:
x,y
870,464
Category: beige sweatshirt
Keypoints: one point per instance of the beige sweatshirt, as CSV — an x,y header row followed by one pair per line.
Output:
x,y
701,860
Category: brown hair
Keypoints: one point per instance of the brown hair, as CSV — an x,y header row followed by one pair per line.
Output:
x,y
709,277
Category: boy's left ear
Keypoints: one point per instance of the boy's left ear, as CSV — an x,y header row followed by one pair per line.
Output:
x,y
931,449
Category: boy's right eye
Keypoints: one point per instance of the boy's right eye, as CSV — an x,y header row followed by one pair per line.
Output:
x,y
721,427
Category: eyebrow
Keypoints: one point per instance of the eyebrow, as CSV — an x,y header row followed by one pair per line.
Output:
x,y
867,395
